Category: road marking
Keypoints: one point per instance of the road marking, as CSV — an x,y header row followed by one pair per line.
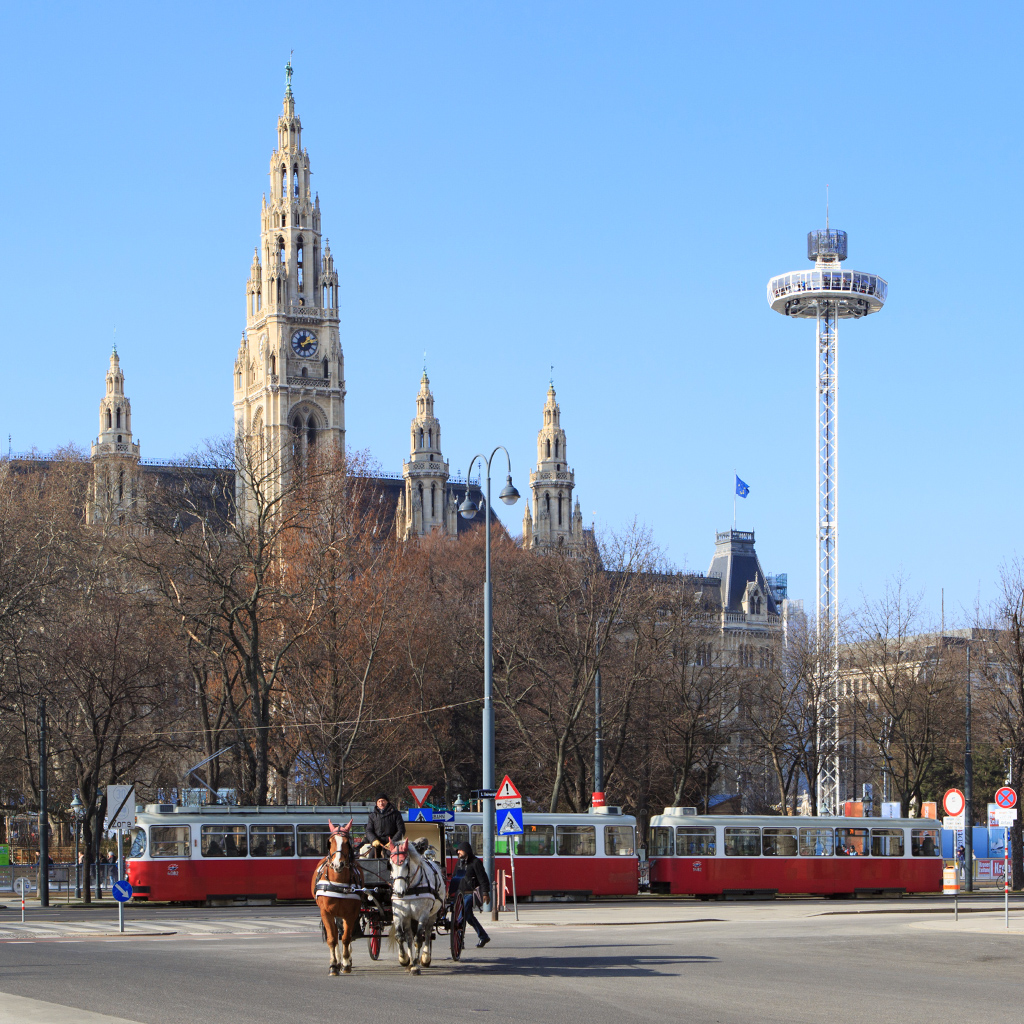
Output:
x,y
22,1010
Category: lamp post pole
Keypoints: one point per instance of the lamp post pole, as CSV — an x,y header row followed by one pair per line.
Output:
x,y
598,738
968,789
468,509
77,809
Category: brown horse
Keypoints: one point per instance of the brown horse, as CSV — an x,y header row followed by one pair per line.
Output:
x,y
334,880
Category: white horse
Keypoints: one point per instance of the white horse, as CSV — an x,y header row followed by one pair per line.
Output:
x,y
417,896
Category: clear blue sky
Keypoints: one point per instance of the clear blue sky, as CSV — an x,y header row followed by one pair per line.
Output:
x,y
602,186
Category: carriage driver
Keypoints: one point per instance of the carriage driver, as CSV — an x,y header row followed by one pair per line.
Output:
x,y
474,876
385,823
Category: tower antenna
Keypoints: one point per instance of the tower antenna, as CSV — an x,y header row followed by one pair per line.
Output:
x,y
827,294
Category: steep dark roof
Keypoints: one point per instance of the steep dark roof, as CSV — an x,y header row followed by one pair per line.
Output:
x,y
735,562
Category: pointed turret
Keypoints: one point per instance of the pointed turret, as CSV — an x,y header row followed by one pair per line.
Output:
x,y
426,472
552,524
115,457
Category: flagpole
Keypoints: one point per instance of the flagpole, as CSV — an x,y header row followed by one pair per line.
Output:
x,y
736,477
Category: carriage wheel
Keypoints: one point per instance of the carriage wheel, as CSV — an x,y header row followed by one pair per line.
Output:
x,y
373,936
457,935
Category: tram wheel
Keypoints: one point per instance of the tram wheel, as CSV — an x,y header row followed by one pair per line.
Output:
x,y
373,936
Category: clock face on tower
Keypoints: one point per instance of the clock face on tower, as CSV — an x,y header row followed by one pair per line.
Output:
x,y
304,343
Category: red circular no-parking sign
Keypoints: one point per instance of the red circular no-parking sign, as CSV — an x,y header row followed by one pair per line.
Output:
x,y
1006,797
953,802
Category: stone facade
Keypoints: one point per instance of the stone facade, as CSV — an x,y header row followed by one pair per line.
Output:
x,y
289,380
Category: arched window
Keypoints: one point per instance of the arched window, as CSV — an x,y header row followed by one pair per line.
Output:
x,y
421,438
430,439
547,451
284,183
559,508
547,503
284,220
327,370
433,492
120,486
279,291
239,375
556,447
295,181
280,251
259,301
305,372
298,260
323,296
109,418
273,364
311,431
119,416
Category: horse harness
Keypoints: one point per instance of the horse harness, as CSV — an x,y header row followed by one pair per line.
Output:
x,y
338,890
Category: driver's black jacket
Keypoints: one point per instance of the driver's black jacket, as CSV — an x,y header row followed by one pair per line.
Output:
x,y
384,825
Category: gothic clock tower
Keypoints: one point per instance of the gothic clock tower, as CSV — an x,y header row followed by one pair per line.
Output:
x,y
290,371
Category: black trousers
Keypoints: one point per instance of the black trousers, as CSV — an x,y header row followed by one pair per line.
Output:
x,y
467,902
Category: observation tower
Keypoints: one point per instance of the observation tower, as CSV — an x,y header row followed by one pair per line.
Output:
x,y
827,294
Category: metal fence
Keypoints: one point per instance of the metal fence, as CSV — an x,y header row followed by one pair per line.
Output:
x,y
62,876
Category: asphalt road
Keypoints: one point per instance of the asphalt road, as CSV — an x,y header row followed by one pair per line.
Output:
x,y
731,963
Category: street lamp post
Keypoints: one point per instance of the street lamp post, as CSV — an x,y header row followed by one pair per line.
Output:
x,y
468,509
77,809
968,789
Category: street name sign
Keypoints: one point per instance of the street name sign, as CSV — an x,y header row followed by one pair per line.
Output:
x,y
1006,797
953,802
120,807
420,794
483,794
122,890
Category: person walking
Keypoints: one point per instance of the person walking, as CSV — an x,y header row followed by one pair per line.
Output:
x,y
384,824
474,877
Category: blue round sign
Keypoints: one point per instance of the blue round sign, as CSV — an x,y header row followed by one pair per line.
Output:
x,y
122,891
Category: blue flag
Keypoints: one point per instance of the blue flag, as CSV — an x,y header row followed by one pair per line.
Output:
x,y
742,489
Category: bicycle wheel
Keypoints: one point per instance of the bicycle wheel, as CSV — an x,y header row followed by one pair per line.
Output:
x,y
373,936
457,936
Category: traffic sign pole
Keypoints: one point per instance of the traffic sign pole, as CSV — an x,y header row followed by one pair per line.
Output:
x,y
120,875
1006,876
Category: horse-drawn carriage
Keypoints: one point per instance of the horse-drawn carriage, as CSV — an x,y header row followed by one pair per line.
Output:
x,y
405,894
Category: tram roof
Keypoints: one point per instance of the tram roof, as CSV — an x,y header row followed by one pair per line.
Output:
x,y
792,821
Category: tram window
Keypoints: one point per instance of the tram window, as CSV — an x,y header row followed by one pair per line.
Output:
x,y
661,842
742,842
924,842
576,840
314,841
852,842
887,842
619,841
779,842
816,842
695,842
170,840
476,837
223,841
536,841
271,841
453,835
138,844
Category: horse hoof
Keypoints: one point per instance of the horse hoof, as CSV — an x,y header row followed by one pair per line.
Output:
x,y
347,969
415,969
332,971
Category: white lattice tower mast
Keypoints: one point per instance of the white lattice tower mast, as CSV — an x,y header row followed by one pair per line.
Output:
x,y
828,293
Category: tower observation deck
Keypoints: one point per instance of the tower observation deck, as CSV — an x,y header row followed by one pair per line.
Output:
x,y
827,294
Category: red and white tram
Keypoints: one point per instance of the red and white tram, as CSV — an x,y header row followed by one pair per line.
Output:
x,y
224,853
716,855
